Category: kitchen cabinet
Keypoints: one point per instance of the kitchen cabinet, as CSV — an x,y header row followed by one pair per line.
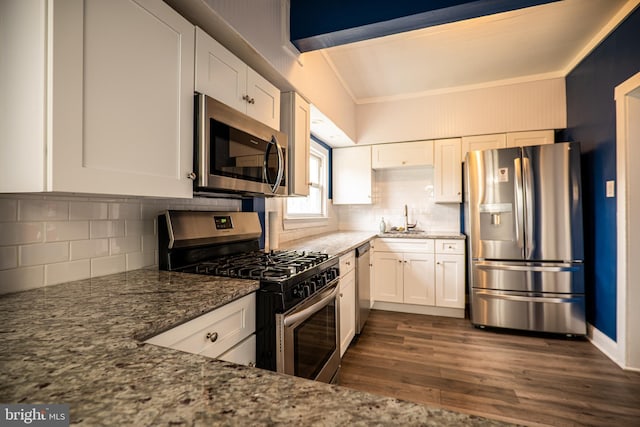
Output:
x,y
98,99
447,171
536,137
352,176
402,154
223,76
296,123
449,273
404,271
482,142
347,300
226,333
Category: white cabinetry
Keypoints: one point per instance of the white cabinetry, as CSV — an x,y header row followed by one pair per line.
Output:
x,y
447,171
482,142
352,176
449,272
222,75
225,333
347,300
98,98
423,276
296,123
536,137
403,154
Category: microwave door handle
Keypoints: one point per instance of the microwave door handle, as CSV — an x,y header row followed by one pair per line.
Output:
x,y
280,165
265,167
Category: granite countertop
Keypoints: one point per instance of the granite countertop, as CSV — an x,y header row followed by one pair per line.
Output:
x,y
79,343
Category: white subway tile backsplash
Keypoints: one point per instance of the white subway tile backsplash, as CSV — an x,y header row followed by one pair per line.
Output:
x,y
18,233
8,257
43,253
82,249
134,227
88,210
67,271
62,230
121,245
8,209
149,243
101,229
43,210
124,211
136,260
108,265
21,279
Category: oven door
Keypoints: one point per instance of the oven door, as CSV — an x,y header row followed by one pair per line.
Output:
x,y
236,153
308,338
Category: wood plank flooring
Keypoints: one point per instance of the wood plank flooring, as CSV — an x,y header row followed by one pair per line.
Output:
x,y
516,377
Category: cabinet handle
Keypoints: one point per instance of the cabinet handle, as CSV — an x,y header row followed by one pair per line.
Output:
x,y
212,336
341,295
249,99
191,176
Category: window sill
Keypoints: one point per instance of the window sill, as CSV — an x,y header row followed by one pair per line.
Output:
x,y
297,223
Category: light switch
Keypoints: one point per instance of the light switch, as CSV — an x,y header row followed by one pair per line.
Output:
x,y
611,188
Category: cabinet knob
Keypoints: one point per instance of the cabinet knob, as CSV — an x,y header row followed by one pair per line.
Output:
x,y
212,336
191,176
248,99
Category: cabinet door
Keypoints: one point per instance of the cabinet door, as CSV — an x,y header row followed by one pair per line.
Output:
x,y
404,154
447,171
388,277
219,73
450,281
352,175
536,137
347,310
243,353
419,279
121,99
482,142
295,121
264,100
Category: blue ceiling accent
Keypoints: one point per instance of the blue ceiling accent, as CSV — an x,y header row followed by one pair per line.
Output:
x,y
321,24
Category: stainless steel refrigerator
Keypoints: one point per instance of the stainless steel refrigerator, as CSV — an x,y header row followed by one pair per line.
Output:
x,y
523,219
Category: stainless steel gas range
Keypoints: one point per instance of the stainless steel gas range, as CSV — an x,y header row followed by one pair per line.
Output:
x,y
297,313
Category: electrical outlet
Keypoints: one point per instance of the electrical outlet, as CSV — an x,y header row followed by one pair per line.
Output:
x,y
611,188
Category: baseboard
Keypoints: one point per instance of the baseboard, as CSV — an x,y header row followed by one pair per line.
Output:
x,y
605,344
420,309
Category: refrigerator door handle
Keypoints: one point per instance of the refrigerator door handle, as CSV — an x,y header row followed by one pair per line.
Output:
x,y
529,208
535,268
530,299
519,216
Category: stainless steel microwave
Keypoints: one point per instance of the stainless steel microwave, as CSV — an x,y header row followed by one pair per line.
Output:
x,y
235,153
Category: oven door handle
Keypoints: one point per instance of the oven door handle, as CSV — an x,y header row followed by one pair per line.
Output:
x,y
325,300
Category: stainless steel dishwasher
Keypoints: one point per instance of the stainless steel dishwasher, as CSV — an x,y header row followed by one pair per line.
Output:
x,y
363,285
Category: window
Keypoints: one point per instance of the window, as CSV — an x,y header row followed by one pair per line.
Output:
x,y
313,206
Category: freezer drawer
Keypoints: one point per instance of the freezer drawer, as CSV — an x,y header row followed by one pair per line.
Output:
x,y
558,313
560,277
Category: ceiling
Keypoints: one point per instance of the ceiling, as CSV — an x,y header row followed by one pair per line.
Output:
x,y
543,41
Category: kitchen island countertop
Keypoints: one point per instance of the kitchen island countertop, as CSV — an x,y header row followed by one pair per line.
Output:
x,y
79,343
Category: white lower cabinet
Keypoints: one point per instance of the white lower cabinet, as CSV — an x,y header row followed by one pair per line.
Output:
x,y
226,333
419,276
347,300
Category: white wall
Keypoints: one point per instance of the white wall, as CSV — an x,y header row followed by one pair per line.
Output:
x,y
49,239
518,107
392,190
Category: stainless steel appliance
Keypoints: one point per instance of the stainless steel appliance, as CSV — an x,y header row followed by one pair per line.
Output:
x,y
237,154
524,225
297,313
363,285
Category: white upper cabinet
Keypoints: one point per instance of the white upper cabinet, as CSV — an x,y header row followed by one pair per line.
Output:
x,y
536,137
352,176
223,76
402,154
296,123
447,171
482,142
113,100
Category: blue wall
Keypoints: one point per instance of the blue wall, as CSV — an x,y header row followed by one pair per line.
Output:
x,y
591,120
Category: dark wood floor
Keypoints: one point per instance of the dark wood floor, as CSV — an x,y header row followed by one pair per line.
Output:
x,y
531,380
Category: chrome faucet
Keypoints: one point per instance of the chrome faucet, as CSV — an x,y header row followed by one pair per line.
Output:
x,y
408,226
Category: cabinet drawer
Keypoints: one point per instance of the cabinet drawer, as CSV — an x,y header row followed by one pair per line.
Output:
x,y
228,325
347,263
242,354
404,245
450,246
